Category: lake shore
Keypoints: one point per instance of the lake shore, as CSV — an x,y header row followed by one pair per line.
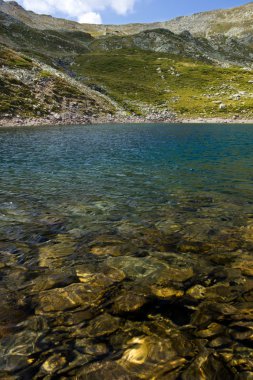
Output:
x,y
121,119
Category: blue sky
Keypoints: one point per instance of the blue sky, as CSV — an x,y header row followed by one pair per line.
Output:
x,y
160,10
124,11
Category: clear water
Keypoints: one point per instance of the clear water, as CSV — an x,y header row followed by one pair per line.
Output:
x,y
112,193
128,172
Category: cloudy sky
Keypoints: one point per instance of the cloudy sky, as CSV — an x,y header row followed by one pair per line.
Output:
x,y
124,11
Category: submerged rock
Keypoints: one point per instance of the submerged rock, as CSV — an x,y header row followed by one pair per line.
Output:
x,y
53,364
103,325
109,250
248,233
106,370
197,292
212,330
16,349
206,366
51,280
68,298
55,253
166,292
128,301
104,278
150,356
90,347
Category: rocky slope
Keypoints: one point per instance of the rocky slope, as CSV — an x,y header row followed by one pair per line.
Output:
x,y
31,90
219,49
74,72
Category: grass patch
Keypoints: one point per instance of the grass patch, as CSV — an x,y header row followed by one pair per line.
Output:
x,y
188,87
13,60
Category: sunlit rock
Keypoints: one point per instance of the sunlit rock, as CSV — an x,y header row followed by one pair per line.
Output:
x,y
68,298
55,253
128,301
150,356
166,292
197,292
53,364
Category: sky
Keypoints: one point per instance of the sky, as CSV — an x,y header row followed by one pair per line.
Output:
x,y
124,11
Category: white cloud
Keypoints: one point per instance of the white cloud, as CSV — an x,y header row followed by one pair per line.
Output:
x,y
122,7
90,18
81,10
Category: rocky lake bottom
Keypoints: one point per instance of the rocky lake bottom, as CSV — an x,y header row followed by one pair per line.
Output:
x,y
126,252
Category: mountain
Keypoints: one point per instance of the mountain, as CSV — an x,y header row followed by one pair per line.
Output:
x,y
195,66
234,22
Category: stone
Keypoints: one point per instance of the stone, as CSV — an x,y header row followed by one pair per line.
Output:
x,y
149,356
52,280
212,330
109,250
53,364
90,347
247,233
176,274
68,298
246,375
103,325
166,292
134,267
222,106
205,366
106,370
245,265
106,277
55,253
16,349
128,302
197,292
219,342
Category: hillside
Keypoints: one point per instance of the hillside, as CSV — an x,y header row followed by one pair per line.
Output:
x,y
33,90
75,72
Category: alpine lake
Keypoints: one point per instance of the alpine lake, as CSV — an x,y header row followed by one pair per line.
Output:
x,y
126,252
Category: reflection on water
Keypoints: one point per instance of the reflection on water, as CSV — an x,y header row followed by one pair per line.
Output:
x,y
126,252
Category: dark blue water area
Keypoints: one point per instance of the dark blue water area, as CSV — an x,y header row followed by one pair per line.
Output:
x,y
128,166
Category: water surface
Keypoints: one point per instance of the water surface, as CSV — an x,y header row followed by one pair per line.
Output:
x,y
126,251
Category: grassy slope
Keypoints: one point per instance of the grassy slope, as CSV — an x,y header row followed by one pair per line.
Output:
x,y
190,88
28,90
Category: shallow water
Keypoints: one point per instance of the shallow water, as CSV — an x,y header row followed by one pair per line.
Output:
x,y
126,252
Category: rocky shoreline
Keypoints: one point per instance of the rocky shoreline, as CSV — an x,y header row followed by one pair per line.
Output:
x,y
110,119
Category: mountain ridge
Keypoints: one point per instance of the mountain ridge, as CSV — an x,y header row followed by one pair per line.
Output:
x,y
145,74
177,25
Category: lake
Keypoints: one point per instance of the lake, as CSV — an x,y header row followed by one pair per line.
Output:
x,y
126,252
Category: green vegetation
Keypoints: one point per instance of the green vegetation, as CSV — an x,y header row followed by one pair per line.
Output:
x,y
48,92
15,97
13,60
45,74
190,88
